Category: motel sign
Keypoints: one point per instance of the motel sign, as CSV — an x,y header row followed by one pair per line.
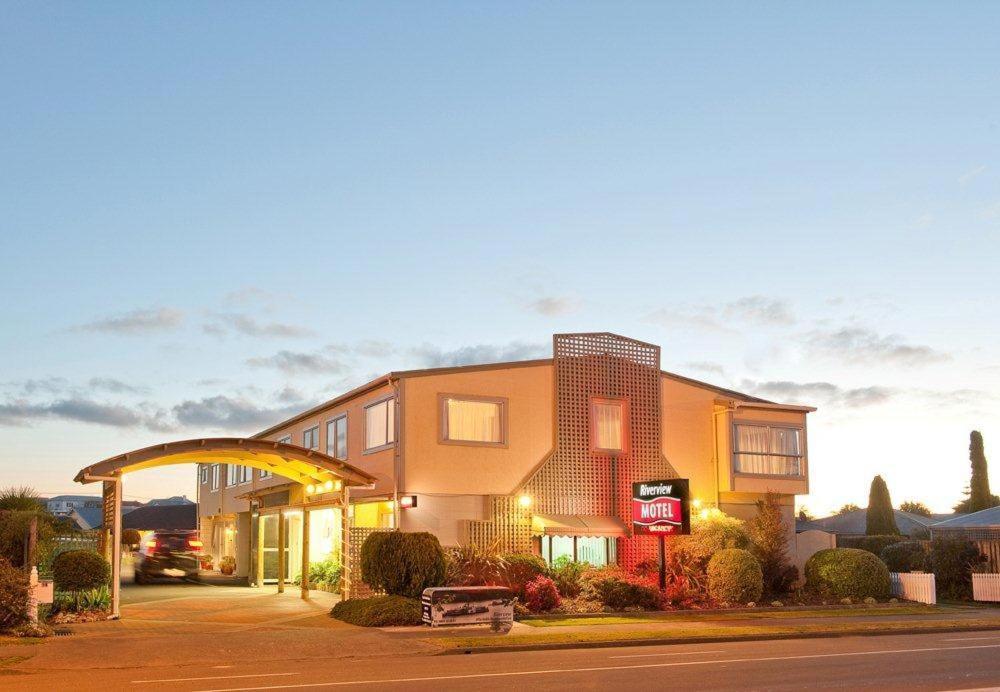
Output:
x,y
660,508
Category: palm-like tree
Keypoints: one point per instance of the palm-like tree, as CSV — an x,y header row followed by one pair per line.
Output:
x,y
20,499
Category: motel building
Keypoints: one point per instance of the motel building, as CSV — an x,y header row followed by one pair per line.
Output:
x,y
529,456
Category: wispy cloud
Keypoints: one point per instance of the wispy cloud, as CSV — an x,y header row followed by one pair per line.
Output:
x,y
552,306
227,413
755,310
292,363
432,356
246,325
18,413
814,393
969,176
864,346
706,366
110,384
136,322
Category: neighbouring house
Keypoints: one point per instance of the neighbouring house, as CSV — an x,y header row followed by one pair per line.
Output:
x,y
855,523
982,528
535,455
63,505
175,500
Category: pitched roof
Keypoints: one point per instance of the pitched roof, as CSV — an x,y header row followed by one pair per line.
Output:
x,y
88,518
984,518
151,518
855,523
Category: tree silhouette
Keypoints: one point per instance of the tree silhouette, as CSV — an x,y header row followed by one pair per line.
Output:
x,y
881,519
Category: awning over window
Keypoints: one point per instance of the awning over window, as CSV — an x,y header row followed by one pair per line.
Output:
x,y
576,525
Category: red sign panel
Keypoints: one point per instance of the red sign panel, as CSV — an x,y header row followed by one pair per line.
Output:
x,y
661,507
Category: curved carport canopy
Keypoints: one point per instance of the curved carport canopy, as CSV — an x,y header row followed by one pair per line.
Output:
x,y
283,459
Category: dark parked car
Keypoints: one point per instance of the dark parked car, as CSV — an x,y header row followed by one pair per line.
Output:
x,y
168,554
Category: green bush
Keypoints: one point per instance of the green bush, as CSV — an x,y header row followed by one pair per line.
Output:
x,y
953,561
567,574
402,564
325,572
131,537
13,528
847,573
80,570
735,576
13,595
688,556
873,544
471,565
907,556
617,590
521,568
379,611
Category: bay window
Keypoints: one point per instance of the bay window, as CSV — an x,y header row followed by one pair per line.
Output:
x,y
770,450
473,420
380,425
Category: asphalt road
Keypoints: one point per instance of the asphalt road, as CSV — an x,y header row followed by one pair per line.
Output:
x,y
969,660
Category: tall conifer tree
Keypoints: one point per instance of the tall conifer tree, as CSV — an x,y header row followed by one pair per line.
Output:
x,y
881,520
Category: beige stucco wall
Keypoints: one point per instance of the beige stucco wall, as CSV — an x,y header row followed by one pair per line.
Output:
x,y
687,438
441,514
432,467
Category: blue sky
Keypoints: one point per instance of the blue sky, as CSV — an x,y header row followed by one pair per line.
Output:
x,y
214,215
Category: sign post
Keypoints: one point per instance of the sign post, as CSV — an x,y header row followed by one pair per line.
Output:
x,y
661,509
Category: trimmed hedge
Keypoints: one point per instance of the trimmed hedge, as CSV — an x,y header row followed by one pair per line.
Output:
x,y
872,544
378,611
402,564
735,576
953,561
13,595
908,556
80,570
616,590
848,572
520,569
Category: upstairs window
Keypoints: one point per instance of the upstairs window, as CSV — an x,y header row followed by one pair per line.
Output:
x,y
245,474
216,472
380,425
231,475
336,437
609,425
203,471
310,438
768,450
473,420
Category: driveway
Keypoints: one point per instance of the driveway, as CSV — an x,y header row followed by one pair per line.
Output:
x,y
198,626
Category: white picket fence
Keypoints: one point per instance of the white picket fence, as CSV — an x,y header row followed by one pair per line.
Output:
x,y
914,586
986,587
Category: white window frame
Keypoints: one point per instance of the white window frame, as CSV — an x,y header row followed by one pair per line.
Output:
x,y
315,434
245,474
390,434
216,476
801,456
232,475
203,473
331,439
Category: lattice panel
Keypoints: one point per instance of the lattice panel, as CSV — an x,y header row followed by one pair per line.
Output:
x,y
575,479
352,568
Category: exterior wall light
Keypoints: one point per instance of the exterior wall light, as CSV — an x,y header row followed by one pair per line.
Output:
x,y
310,489
337,485
696,503
407,501
524,501
328,485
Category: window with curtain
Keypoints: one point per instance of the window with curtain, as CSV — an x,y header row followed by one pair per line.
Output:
x,y
310,438
380,425
767,449
474,420
336,437
608,425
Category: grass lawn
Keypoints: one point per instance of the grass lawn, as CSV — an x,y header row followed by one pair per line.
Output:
x,y
647,618
695,634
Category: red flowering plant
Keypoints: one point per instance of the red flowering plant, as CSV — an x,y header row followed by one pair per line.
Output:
x,y
541,595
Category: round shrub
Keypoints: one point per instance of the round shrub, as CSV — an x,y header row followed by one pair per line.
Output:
x,y
735,576
520,569
379,611
541,595
908,556
13,595
402,564
848,572
80,570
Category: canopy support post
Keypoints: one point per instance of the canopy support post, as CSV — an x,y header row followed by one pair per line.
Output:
x,y
281,551
305,553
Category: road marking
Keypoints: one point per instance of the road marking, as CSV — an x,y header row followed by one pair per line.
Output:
x,y
558,671
970,639
215,677
678,653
